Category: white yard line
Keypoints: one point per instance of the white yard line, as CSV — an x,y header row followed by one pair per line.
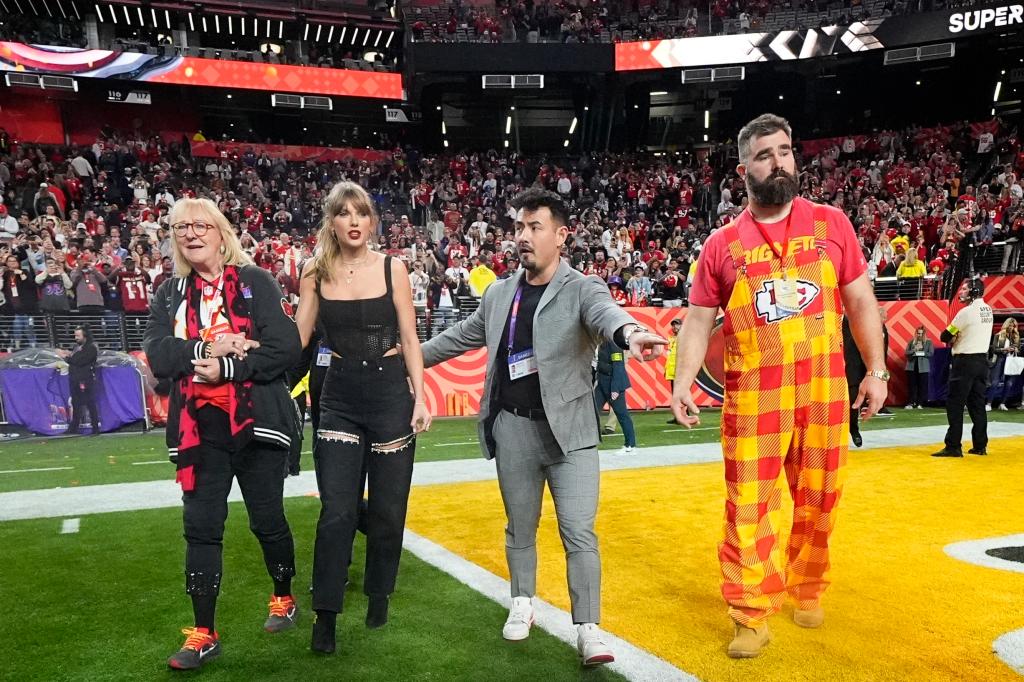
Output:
x,y
26,471
70,526
465,442
630,660
155,461
1009,647
97,499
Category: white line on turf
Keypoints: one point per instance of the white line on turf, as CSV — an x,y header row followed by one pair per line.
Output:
x,y
155,461
702,428
974,552
1009,647
97,499
465,442
70,526
26,471
630,660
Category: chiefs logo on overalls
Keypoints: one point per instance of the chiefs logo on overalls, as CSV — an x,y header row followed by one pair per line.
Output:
x,y
766,304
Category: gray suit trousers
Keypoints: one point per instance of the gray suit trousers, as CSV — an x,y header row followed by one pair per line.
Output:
x,y
527,456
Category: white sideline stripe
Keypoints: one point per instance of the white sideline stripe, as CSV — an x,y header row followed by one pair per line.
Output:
x,y
25,471
630,660
155,461
70,526
1009,647
702,428
973,552
465,442
115,497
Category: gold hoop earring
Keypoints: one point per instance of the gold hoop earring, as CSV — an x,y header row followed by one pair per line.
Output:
x,y
223,249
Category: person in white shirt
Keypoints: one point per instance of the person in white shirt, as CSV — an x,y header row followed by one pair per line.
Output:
x,y
970,333
164,196
564,185
456,272
419,281
8,225
82,167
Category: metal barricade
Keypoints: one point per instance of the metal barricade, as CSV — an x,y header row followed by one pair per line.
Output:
x,y
107,329
988,258
134,330
18,332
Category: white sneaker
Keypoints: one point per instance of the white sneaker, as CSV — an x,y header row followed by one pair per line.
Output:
x,y
1004,408
920,407
590,644
908,407
988,408
520,618
628,450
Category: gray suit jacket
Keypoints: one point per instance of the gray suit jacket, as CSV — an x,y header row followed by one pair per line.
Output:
x,y
574,315
923,362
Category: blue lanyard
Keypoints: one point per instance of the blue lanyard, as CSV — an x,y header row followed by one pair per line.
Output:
x,y
515,314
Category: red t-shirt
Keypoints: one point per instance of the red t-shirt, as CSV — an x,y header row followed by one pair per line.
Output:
x,y
716,272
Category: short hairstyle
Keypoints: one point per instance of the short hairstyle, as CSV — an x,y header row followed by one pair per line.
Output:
x,y
207,210
763,125
534,199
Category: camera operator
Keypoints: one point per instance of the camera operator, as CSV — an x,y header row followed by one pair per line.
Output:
x,y
970,333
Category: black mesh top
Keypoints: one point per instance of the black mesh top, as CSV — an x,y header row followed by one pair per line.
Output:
x,y
361,329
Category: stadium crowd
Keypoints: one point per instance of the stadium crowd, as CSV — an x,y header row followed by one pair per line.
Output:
x,y
85,228
588,21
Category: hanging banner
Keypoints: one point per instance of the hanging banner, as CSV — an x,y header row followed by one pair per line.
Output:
x,y
217,73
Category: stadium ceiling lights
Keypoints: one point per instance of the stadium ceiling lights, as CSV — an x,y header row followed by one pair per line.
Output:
x,y
330,34
659,93
391,37
191,23
342,38
572,126
46,6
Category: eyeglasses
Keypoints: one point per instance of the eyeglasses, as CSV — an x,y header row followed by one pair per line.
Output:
x,y
199,228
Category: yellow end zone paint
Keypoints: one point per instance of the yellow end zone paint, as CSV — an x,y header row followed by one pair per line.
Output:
x,y
899,608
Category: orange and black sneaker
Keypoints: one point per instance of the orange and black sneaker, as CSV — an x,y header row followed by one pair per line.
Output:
x,y
283,613
200,646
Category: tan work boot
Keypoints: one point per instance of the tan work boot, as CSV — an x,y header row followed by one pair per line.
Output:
x,y
748,642
809,618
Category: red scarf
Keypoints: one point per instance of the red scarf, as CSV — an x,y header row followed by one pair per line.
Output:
x,y
240,413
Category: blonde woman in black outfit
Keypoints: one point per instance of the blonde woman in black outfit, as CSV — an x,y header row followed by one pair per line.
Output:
x,y
371,406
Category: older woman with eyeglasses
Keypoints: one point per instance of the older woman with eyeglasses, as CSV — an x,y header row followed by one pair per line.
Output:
x,y
220,331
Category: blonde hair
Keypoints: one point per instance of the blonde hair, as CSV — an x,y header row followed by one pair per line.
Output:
x,y
1009,329
328,247
231,248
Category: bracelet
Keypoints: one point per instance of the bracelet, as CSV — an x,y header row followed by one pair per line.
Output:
x,y
207,350
421,402
636,328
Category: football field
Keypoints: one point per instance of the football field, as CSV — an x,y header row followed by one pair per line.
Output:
x,y
91,531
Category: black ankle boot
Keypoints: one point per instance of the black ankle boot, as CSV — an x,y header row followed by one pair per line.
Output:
x,y
323,632
377,611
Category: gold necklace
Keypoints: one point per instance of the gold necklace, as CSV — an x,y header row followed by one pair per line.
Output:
x,y
355,264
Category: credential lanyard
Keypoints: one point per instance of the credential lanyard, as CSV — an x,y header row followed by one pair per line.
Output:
x,y
213,313
781,255
515,316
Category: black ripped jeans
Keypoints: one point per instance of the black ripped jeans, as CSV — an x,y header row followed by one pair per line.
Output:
x,y
260,469
364,433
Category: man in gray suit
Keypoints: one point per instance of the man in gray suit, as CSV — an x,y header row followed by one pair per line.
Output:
x,y
537,416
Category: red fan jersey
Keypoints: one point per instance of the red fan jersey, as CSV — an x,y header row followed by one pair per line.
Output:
x,y
134,292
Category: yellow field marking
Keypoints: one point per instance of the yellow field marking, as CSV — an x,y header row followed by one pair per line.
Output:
x,y
900,609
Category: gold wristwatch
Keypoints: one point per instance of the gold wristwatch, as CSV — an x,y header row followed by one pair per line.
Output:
x,y
882,374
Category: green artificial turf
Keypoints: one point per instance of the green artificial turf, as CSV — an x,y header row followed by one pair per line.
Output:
x,y
108,602
117,458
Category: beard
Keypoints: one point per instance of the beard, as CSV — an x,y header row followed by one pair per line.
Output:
x,y
777,189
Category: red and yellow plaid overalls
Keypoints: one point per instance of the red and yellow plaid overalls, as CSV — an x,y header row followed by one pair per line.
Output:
x,y
786,406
